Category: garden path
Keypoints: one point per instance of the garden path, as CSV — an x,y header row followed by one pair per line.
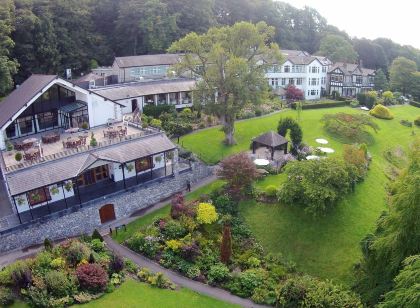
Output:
x,y
177,278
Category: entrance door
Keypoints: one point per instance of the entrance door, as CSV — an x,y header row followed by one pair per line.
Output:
x,y
133,105
107,213
93,175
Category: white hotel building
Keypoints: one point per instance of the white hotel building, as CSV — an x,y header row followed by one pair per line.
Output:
x,y
308,73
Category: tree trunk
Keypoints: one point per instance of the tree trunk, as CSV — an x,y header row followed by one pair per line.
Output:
x,y
229,128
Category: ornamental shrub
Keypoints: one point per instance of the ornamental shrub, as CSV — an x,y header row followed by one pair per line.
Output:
x,y
224,205
76,253
288,124
226,245
417,121
92,277
381,112
174,245
97,235
247,281
21,275
58,263
218,273
6,297
206,213
58,284
356,156
156,123
173,230
271,191
97,245
48,245
116,264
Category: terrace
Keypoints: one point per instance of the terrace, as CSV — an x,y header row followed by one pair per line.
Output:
x,y
51,145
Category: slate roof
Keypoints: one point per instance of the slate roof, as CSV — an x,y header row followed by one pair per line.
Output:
x,y
137,89
22,95
69,167
147,60
270,139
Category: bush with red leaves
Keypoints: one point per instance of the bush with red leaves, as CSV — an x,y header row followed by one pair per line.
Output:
x,y
92,277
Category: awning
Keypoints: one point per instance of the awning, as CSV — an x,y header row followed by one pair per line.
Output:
x,y
72,107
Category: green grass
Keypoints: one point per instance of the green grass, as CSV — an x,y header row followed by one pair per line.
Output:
x,y
326,247
162,212
135,294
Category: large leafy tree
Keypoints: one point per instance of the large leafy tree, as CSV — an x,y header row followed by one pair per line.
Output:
x,y
8,66
371,54
337,48
397,235
230,64
381,83
400,74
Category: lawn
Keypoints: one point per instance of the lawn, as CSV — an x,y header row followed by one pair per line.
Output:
x,y
135,294
164,211
326,247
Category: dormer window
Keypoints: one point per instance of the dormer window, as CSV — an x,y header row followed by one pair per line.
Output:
x,y
287,68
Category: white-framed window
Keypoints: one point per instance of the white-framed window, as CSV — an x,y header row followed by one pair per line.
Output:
x,y
309,92
283,81
291,81
315,69
313,81
313,92
324,69
299,81
287,68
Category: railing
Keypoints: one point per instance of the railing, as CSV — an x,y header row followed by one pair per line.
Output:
x,y
85,148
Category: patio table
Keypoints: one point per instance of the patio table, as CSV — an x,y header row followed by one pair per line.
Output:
x,y
32,154
50,137
72,130
73,142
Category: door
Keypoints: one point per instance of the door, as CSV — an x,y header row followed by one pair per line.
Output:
x,y
133,105
107,213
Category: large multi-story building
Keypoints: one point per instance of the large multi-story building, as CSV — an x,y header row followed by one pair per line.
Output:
x,y
72,145
308,73
348,79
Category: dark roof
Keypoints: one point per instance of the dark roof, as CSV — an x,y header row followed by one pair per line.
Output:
x,y
270,139
69,167
73,106
88,77
22,95
125,91
147,60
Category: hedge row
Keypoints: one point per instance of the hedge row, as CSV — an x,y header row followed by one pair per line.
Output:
x,y
323,105
415,104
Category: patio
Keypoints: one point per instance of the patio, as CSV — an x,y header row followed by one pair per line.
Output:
x,y
51,145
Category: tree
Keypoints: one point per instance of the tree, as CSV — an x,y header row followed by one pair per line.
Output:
x,y
239,171
388,97
371,54
227,61
288,124
226,245
415,88
293,93
405,293
400,74
337,49
381,83
396,237
8,66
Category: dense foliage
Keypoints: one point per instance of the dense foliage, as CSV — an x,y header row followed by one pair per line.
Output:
x,y
293,93
290,125
350,127
381,112
396,237
317,185
239,172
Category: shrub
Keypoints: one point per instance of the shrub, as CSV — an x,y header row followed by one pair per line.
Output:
x,y
247,281
116,265
271,191
356,156
239,171
97,245
415,104
367,99
354,103
417,121
293,93
156,111
289,124
174,245
93,141
381,112
147,245
156,123
83,297
143,274
160,281
388,97
92,277
97,235
317,185
18,156
6,297
48,245
77,252
351,127
58,284
177,205
130,266
324,104
58,263
190,252
173,230
226,245
310,292
193,272
224,205
218,273
406,123
206,213
21,275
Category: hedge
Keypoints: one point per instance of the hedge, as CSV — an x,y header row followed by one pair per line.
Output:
x,y
323,105
415,104
156,111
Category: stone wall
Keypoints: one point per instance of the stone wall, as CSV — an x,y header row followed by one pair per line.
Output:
x,y
86,219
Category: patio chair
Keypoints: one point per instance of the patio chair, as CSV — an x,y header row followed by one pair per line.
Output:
x,y
18,146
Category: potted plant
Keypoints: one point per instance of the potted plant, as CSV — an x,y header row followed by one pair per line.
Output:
x,y
85,125
18,156
129,167
158,159
54,190
170,155
68,186
93,141
9,146
35,196
20,200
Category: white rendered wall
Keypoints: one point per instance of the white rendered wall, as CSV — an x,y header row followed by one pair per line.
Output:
x,y
100,110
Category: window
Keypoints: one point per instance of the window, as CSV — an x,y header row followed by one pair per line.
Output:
x,y
309,92
313,81
287,68
313,92
38,196
299,81
283,81
315,69
324,69
359,79
291,81
143,164
322,80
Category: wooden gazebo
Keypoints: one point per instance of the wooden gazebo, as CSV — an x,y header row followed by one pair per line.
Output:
x,y
271,140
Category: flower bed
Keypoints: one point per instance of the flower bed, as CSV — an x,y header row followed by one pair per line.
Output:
x,y
73,272
207,241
